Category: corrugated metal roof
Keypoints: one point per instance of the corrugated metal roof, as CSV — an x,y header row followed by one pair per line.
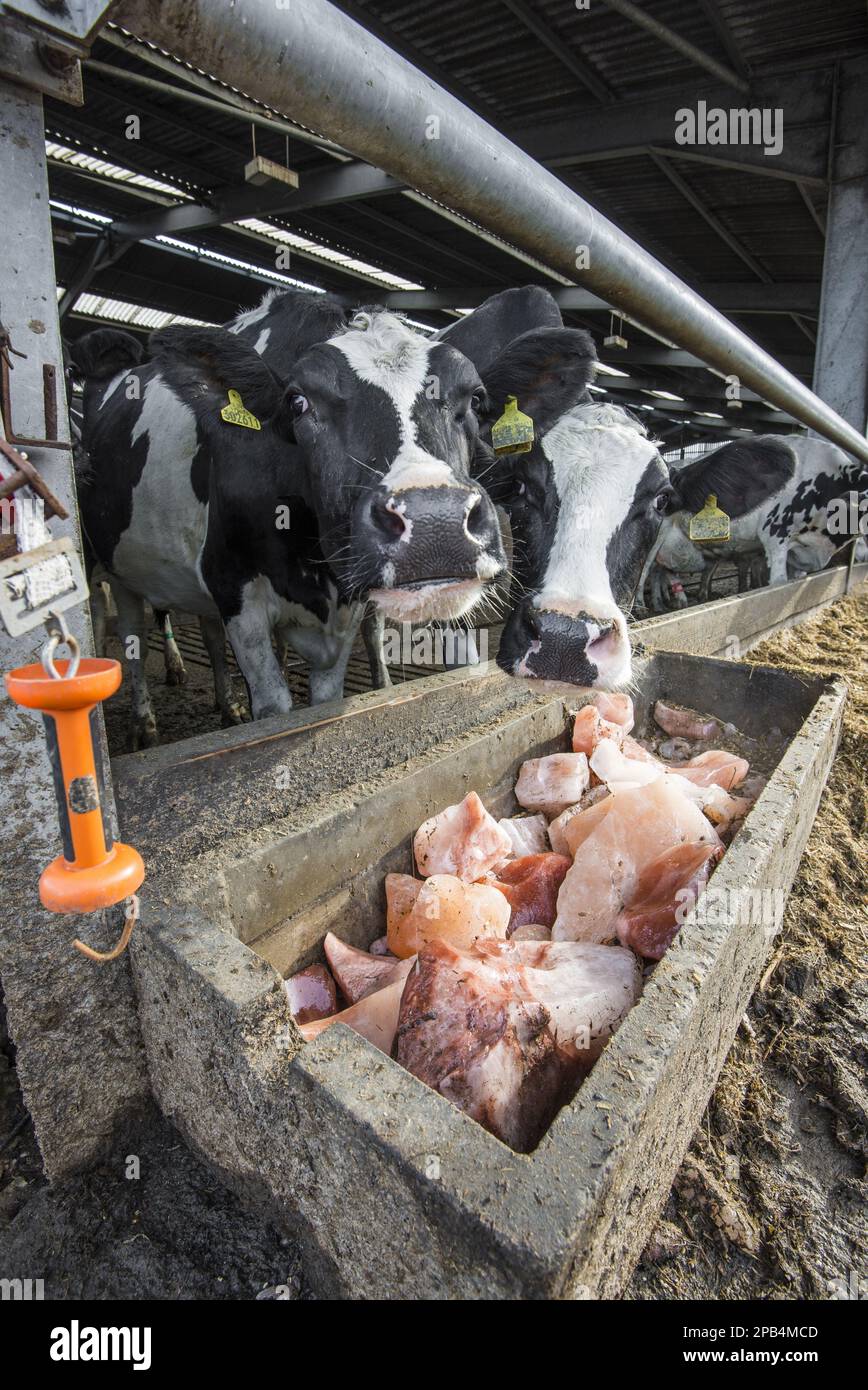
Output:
x,y
710,223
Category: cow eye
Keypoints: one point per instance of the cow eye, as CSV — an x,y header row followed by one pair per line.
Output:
x,y
662,501
298,404
477,402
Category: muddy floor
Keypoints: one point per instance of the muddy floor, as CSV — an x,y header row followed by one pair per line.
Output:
x,y
770,1202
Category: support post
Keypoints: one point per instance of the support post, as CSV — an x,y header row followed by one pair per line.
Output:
x,y
841,373
74,1024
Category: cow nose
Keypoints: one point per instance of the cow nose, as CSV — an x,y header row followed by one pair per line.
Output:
x,y
434,532
387,518
580,649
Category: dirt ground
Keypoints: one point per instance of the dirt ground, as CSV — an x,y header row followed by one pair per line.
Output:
x,y
771,1201
769,1204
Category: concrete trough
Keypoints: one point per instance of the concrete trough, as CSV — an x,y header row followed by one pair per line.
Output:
x,y
262,839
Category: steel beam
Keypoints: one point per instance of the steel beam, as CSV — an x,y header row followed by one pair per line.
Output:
x,y
578,67
671,39
344,184
344,82
801,297
841,375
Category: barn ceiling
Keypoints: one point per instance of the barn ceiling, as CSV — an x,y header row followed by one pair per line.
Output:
x,y
154,214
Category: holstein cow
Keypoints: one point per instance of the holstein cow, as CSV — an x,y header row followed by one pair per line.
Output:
x,y
363,451
799,528
586,502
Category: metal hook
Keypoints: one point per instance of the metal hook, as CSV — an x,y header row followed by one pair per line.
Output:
x,y
59,635
130,919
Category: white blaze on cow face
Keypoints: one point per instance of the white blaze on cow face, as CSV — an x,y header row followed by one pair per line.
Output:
x,y
432,534
598,459
383,352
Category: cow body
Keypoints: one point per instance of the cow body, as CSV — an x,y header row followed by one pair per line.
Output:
x,y
356,483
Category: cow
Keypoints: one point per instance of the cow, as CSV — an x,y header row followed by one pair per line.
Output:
x,y
585,503
798,522
798,529
344,477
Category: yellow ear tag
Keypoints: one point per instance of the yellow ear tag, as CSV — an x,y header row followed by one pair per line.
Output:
x,y
513,432
235,414
709,524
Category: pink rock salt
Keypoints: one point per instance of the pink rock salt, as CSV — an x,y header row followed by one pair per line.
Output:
x,y
375,1017
553,783
443,908
463,840
612,843
357,972
311,994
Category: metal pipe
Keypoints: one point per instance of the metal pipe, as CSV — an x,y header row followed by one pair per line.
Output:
x,y
672,40
339,79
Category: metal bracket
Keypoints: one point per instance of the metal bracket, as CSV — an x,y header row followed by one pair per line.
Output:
x,y
43,41
72,23
49,399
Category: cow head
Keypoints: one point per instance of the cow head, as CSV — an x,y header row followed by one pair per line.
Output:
x,y
383,430
585,505
388,423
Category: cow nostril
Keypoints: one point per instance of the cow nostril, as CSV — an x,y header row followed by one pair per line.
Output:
x,y
477,520
388,520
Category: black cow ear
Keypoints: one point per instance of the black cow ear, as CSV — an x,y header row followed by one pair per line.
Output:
x,y
483,335
222,362
741,474
103,353
548,370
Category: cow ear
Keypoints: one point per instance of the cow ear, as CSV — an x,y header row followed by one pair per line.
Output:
x,y
741,474
548,370
483,335
103,353
222,363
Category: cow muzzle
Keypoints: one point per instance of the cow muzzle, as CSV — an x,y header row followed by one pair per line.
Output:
x,y
579,647
434,550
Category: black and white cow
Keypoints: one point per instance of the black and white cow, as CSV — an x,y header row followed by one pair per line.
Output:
x,y
365,449
586,502
797,530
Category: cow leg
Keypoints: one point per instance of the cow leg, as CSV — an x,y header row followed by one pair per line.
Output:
x,y
214,637
373,628
99,614
705,582
176,673
283,644
133,634
249,633
776,554
659,581
458,646
742,565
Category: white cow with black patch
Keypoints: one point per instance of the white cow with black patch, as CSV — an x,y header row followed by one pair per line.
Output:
x,y
366,446
799,528
585,503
